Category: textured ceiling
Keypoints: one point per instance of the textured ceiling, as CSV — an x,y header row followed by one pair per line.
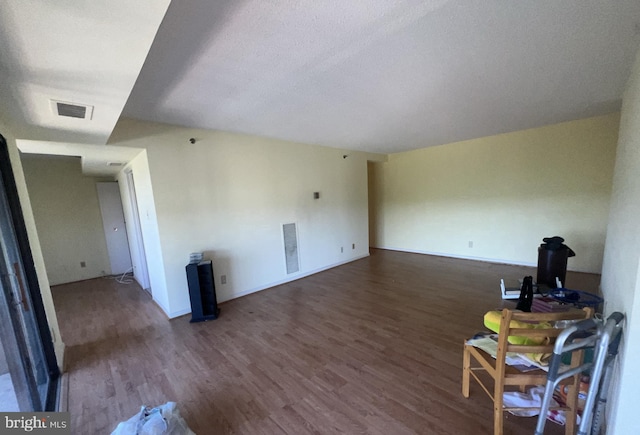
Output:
x,y
82,52
376,75
382,75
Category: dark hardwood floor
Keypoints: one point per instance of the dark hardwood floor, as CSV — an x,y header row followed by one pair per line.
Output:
x,y
371,347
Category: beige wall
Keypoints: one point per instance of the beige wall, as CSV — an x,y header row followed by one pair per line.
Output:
x,y
502,193
34,243
621,269
229,195
67,214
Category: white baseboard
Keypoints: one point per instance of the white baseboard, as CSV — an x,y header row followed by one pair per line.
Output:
x,y
301,275
162,307
295,277
462,257
468,257
179,313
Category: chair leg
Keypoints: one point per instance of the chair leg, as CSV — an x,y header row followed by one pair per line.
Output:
x,y
498,410
466,369
572,395
497,417
572,404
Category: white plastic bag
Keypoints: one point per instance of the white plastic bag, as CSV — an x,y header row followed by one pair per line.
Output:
x,y
161,420
533,398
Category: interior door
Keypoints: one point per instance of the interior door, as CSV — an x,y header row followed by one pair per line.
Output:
x,y
115,230
26,339
140,271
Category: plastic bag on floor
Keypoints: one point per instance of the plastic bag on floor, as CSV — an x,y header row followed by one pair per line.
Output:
x,y
161,420
533,398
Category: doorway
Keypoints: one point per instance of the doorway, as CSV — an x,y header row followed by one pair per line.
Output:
x,y
374,199
115,231
26,341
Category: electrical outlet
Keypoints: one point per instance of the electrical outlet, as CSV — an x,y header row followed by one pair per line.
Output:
x,y
353,246
341,249
83,264
471,243
223,279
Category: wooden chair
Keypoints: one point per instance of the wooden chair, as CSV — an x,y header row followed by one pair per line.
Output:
x,y
507,376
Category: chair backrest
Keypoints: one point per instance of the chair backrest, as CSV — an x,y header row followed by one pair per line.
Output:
x,y
533,333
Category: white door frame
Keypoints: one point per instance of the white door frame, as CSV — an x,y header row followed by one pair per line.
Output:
x,y
141,273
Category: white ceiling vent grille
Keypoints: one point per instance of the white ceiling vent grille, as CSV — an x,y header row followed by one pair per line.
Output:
x,y
71,110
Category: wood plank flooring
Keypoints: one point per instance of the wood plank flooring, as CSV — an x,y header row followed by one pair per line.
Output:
x,y
371,347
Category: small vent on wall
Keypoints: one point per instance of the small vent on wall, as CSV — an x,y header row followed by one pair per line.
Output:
x,y
291,247
71,110
115,164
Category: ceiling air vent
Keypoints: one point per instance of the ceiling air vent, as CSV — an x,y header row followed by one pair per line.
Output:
x,y
71,110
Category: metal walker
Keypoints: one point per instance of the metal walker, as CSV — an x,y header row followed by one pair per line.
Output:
x,y
604,338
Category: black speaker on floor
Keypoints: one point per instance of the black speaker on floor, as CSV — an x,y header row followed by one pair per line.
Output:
x,y
202,291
